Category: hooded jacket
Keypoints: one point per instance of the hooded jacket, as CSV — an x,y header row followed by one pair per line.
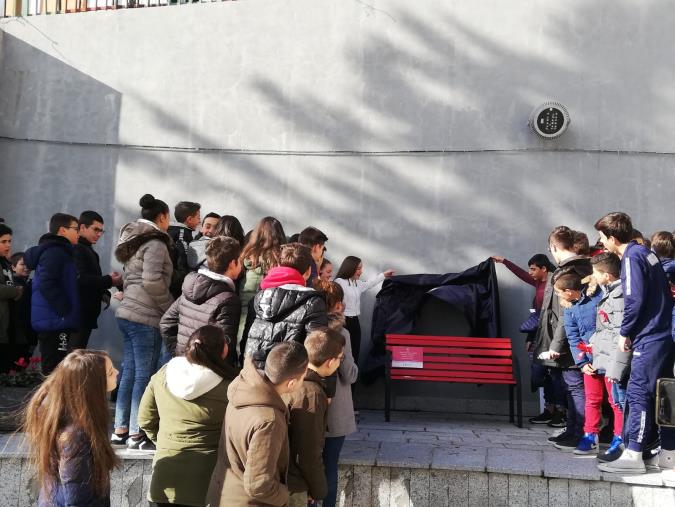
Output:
x,y
182,411
579,321
252,465
93,284
284,312
208,298
340,419
607,357
144,251
551,331
306,435
55,303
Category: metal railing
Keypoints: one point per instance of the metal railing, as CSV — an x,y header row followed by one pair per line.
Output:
x,y
12,8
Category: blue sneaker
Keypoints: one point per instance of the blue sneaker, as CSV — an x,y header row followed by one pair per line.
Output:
x,y
588,444
614,451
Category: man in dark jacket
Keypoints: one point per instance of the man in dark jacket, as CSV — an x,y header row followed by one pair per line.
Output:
x,y
285,308
645,329
188,218
55,304
93,284
209,297
551,347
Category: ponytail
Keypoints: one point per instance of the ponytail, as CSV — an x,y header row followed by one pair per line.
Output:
x,y
205,348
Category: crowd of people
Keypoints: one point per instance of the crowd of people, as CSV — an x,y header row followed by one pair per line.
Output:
x,y
238,361
241,351
600,335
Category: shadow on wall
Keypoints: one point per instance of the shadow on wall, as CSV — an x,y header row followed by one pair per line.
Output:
x,y
41,97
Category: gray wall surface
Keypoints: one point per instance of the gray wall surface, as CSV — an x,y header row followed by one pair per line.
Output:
x,y
98,108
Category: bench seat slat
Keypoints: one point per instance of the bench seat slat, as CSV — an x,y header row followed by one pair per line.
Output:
x,y
430,358
468,367
453,379
487,376
464,352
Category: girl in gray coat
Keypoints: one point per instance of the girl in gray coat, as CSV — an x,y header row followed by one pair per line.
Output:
x,y
144,249
340,414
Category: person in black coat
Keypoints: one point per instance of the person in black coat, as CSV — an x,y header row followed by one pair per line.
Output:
x,y
93,284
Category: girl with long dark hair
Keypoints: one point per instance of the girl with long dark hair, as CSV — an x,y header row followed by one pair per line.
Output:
x,y
349,278
66,428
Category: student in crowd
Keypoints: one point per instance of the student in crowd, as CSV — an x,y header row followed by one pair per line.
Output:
x,y
555,403
144,249
551,348
286,309
608,361
25,338
93,284
307,406
260,254
55,301
208,225
340,416
9,292
349,278
646,330
253,455
225,226
66,428
188,217
579,320
315,240
208,297
326,270
182,412
663,245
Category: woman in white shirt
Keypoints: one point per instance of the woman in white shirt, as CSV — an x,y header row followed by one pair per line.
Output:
x,y
348,277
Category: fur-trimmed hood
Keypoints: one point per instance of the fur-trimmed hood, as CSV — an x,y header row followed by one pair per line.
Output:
x,y
134,235
590,290
336,321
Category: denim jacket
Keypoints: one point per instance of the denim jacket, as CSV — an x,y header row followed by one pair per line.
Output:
x,y
580,325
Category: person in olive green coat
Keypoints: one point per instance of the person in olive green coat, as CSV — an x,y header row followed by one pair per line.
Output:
x,y
182,412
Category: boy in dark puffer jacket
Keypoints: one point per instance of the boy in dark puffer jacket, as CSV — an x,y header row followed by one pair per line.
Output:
x,y
285,308
55,303
208,297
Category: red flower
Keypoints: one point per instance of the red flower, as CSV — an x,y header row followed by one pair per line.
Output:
x,y
21,362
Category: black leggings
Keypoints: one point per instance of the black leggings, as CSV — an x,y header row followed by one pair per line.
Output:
x,y
354,327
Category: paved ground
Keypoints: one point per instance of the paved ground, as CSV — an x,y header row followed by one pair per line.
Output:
x,y
471,443
448,442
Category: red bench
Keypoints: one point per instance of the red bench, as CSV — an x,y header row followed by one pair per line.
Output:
x,y
453,359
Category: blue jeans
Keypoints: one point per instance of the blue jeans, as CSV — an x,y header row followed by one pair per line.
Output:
x,y
331,455
141,353
576,401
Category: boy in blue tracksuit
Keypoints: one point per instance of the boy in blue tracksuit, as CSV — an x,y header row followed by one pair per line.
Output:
x,y
581,303
645,329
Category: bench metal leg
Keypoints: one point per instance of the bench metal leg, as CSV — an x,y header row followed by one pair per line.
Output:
x,y
387,387
511,404
519,396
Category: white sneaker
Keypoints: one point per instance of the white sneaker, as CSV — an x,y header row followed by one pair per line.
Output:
x,y
668,478
630,462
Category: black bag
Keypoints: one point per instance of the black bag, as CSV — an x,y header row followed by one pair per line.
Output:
x,y
665,402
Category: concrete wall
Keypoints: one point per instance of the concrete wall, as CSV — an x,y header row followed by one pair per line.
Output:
x,y
148,100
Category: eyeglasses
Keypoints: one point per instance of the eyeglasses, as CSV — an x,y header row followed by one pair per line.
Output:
x,y
73,228
98,230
